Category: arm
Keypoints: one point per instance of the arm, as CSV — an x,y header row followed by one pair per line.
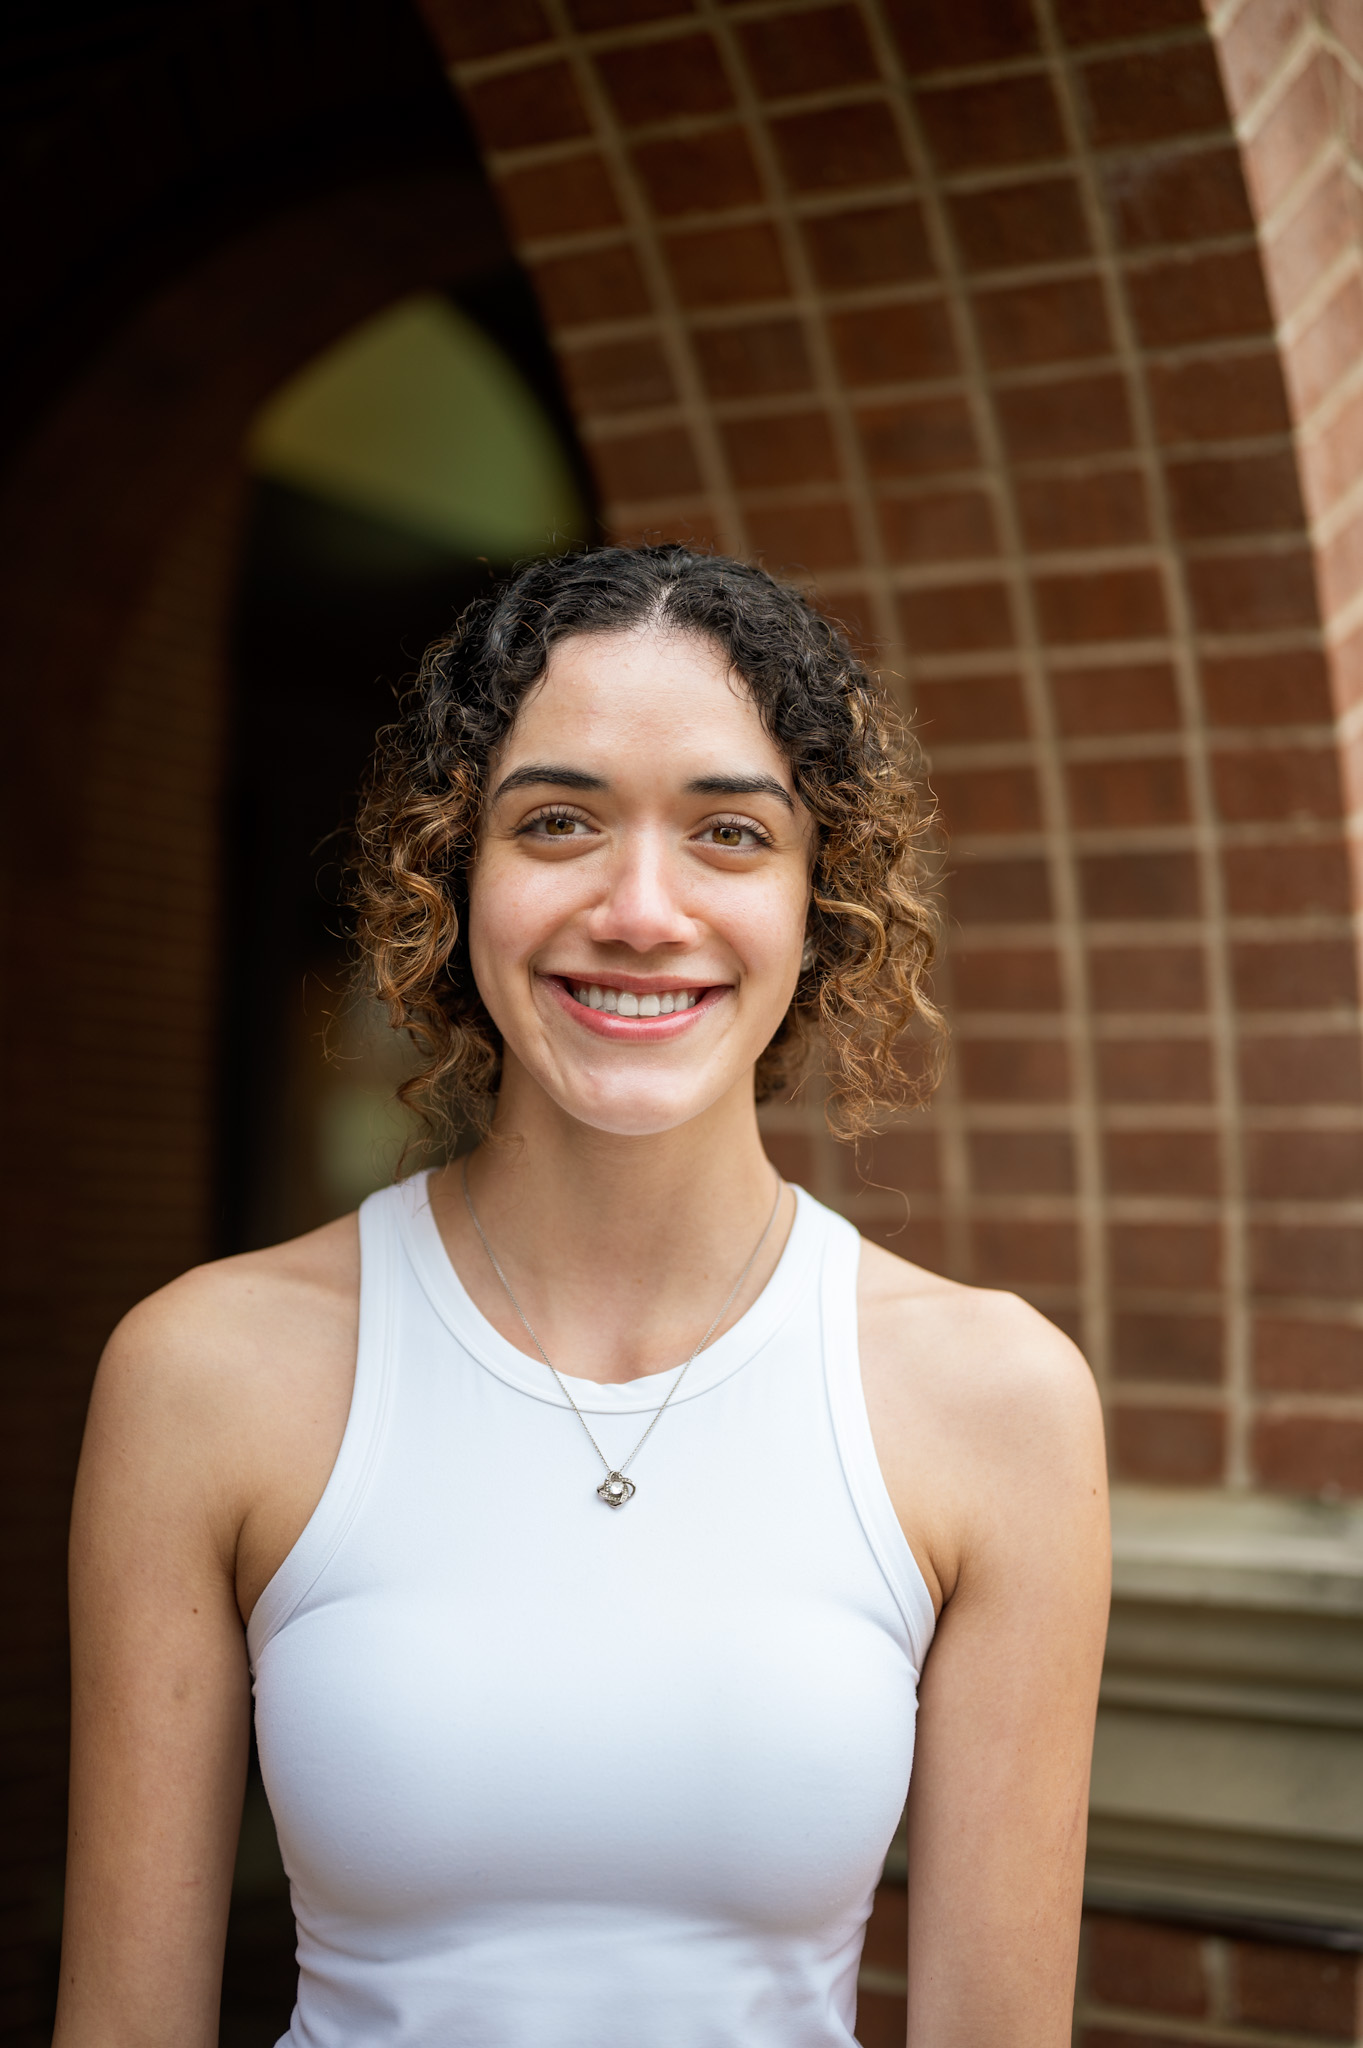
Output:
x,y
1005,1466
160,1696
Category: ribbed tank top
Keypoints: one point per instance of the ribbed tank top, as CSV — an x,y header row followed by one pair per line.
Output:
x,y
547,1774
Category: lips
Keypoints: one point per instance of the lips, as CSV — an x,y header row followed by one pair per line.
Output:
x,y
609,1010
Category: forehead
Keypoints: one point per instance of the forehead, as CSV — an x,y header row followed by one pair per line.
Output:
x,y
669,697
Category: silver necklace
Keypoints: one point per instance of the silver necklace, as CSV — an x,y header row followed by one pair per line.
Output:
x,y
615,1489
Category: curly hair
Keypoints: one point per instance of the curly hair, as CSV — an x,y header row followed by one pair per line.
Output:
x,y
872,922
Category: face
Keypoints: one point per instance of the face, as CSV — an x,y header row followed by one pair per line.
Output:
x,y
637,906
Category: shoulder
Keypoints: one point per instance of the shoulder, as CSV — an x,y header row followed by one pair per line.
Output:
x,y
985,1415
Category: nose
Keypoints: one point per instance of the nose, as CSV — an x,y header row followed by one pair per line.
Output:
x,y
639,906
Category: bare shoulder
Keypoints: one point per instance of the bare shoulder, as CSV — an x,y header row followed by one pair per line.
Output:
x,y
982,1410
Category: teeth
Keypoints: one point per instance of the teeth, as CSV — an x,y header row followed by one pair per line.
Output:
x,y
623,1003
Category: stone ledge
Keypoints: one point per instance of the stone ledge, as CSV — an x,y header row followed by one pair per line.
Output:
x,y
1228,1766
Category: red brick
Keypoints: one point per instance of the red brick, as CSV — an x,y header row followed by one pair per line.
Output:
x,y
1140,885
1165,1256
1209,296
792,1154
599,14
938,526
1000,892
1304,1258
1326,349
1172,1350
618,376
1140,1965
1253,592
540,104
835,148
920,1239
466,29
1308,974
727,266
757,360
1106,794
987,800
657,81
1304,247
804,536
1277,782
1150,95
1013,980
1162,1162
1227,398
707,173
1163,1447
917,436
818,53
1196,196
1308,1454
1235,494
956,618
605,284
897,1159
1004,121
1029,324
1022,1162
660,464
1009,226
1316,1067
1307,1357
874,245
1154,1070
893,344
1106,605
1107,21
1012,1253
1287,688
1132,697
1343,21
560,198
1282,881
1102,510
1014,1069
937,35
971,708
781,448
1294,131
1085,415
1137,978
1311,1166
882,2016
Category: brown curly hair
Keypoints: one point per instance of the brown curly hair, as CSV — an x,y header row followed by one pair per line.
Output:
x,y
872,922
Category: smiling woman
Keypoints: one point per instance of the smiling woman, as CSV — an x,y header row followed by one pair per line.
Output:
x,y
642,840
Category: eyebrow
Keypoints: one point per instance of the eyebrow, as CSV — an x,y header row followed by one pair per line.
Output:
x,y
539,774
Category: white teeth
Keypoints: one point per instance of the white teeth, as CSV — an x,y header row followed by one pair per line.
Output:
x,y
665,1005
624,1003
594,997
627,1004
649,1006
609,999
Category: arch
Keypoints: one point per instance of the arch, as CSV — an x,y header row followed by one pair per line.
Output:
x,y
958,309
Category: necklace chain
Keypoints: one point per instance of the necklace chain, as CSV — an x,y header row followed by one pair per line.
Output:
x,y
615,1490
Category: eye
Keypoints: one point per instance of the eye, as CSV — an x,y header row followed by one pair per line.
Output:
x,y
735,835
555,825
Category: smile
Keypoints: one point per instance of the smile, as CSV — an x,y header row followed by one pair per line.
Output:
x,y
622,1002
633,1015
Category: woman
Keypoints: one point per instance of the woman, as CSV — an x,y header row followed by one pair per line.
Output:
x,y
584,1514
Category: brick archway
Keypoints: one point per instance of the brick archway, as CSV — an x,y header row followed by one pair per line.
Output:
x,y
960,311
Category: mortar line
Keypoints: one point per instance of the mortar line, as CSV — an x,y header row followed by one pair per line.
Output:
x,y
1183,651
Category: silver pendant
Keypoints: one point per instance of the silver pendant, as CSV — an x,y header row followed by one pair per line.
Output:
x,y
615,1490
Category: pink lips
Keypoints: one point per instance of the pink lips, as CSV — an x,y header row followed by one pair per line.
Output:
x,y
632,1030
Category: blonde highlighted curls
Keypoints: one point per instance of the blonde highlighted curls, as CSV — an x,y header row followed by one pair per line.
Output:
x,y
872,923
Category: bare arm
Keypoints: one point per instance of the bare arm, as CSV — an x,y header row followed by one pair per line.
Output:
x,y
216,1415
998,1804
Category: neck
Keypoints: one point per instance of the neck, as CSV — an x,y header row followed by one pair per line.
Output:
x,y
619,1249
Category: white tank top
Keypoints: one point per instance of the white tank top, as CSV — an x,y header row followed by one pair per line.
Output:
x,y
548,1774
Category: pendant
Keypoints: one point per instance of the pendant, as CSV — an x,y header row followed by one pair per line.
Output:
x,y
615,1490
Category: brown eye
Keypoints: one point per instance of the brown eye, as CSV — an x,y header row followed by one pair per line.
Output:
x,y
559,828
728,835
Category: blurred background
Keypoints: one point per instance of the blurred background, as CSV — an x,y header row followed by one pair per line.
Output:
x,y
1028,336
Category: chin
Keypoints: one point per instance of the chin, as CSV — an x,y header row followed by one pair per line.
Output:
x,y
634,1112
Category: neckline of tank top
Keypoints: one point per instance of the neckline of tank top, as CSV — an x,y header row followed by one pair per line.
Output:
x,y
794,1273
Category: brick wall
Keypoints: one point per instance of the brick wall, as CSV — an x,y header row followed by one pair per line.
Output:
x,y
958,310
